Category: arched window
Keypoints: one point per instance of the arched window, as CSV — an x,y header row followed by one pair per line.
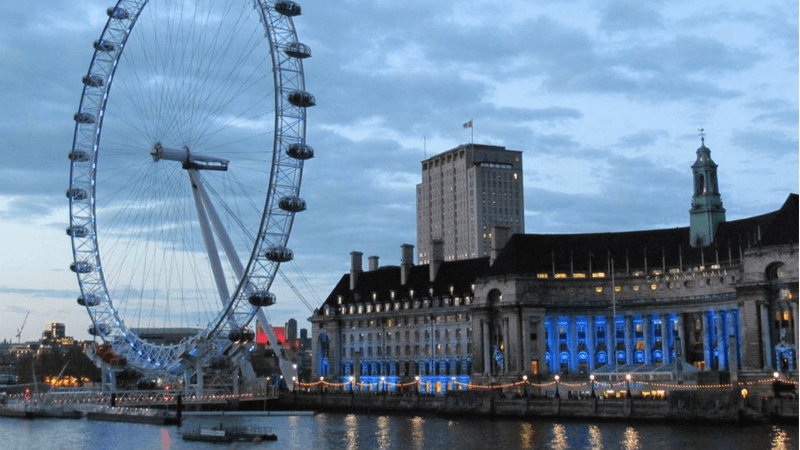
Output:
x,y
775,271
495,296
699,185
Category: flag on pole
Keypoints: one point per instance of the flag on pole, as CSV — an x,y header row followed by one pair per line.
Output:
x,y
468,124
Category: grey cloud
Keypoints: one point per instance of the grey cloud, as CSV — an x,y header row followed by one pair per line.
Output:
x,y
642,138
627,16
766,143
653,202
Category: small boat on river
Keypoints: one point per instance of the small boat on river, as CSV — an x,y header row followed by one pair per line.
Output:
x,y
223,433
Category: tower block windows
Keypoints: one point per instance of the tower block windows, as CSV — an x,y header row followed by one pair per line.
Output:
x,y
464,192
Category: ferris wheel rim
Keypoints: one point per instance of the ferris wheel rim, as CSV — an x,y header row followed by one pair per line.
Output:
x,y
282,201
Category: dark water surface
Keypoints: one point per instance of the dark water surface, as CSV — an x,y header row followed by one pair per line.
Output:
x,y
365,431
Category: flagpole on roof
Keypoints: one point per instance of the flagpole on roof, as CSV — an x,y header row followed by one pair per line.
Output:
x,y
471,132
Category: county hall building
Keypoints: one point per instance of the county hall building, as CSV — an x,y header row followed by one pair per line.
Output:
x,y
716,300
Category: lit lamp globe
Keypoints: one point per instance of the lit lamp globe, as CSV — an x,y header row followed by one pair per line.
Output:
x,y
557,394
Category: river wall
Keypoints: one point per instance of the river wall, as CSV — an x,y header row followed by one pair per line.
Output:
x,y
678,406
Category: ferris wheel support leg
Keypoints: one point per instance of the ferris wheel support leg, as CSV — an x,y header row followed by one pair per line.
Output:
x,y
222,234
193,380
208,239
109,383
200,377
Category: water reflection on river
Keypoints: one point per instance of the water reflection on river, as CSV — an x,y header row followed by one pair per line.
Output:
x,y
364,431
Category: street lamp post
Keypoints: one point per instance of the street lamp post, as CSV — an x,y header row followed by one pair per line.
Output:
x,y
419,388
557,394
525,385
591,381
628,384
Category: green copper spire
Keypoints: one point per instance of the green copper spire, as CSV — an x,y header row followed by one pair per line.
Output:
x,y
707,211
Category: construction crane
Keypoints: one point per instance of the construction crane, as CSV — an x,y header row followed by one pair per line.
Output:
x,y
19,330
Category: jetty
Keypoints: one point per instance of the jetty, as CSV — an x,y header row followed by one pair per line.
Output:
x,y
224,433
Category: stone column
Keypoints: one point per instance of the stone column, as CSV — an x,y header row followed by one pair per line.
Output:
x,y
506,342
733,357
648,346
572,343
525,345
766,339
706,343
665,329
793,304
487,352
552,342
721,341
628,340
611,340
591,334
680,347
541,344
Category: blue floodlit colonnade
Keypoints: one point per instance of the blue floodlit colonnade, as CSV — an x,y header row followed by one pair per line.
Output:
x,y
585,343
435,375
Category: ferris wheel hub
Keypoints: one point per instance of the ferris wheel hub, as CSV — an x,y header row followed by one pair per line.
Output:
x,y
188,159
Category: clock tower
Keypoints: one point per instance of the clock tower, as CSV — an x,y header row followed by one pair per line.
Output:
x,y
707,211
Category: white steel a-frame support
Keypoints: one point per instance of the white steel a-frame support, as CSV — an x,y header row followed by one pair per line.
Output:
x,y
209,219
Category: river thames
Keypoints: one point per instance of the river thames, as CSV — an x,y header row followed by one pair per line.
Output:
x,y
364,431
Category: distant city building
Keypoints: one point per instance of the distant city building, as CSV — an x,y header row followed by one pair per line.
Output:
x,y
53,332
464,193
716,300
291,329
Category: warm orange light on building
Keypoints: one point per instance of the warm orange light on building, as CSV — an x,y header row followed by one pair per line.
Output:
x,y
68,381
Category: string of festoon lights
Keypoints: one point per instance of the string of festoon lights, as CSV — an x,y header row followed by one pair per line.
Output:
x,y
526,382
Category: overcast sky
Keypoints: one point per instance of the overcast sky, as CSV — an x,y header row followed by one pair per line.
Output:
x,y
604,98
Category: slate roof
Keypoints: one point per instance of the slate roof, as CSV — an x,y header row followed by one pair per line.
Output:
x,y
458,274
540,253
530,254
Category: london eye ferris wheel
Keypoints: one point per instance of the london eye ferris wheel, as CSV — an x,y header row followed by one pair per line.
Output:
x,y
185,177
